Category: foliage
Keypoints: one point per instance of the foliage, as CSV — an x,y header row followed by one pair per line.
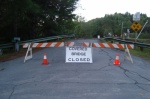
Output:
x,y
30,19
142,35
112,23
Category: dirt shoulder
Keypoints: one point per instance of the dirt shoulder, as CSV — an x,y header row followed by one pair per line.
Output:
x,y
14,55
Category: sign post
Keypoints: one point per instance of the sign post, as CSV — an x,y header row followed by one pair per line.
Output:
x,y
77,54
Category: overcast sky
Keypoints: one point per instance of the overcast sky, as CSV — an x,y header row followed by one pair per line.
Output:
x,y
91,9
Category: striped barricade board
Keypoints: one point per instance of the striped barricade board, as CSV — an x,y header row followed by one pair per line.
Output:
x,y
70,44
48,44
76,54
86,44
111,45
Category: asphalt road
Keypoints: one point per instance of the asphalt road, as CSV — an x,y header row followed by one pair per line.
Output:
x,y
59,80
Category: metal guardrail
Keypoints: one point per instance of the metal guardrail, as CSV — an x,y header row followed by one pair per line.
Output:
x,y
47,39
9,45
6,45
128,42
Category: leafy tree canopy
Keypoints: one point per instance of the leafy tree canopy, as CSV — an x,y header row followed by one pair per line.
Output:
x,y
116,24
30,19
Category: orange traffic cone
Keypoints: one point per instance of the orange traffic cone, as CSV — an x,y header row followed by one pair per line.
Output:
x,y
45,61
117,62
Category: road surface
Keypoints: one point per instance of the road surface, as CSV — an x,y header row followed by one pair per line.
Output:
x,y
59,80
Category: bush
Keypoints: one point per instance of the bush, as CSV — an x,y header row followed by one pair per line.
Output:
x,y
142,36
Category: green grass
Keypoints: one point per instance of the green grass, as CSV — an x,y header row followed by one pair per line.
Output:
x,y
147,41
144,54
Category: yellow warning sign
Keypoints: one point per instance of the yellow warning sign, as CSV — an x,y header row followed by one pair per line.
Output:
x,y
136,26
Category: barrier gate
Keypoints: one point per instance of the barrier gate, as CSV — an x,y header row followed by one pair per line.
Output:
x,y
78,54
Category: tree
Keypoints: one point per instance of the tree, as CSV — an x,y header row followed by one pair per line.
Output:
x,y
30,19
14,16
109,24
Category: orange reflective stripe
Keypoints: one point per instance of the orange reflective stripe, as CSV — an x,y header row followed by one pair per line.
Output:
x,y
93,45
39,44
128,45
58,43
120,46
102,45
110,45
69,43
48,44
84,45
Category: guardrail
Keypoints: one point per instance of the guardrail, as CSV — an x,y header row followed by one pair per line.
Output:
x,y
139,44
6,45
47,38
9,45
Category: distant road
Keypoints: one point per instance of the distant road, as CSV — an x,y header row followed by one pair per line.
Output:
x,y
59,80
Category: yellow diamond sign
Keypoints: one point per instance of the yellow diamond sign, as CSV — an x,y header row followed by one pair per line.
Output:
x,y
136,26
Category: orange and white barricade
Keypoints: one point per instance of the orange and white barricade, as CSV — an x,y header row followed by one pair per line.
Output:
x,y
87,44
121,46
48,44
110,45
70,44
42,45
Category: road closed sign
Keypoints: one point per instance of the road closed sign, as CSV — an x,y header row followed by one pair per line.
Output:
x,y
79,54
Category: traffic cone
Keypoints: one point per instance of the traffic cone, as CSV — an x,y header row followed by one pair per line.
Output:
x,y
45,61
117,61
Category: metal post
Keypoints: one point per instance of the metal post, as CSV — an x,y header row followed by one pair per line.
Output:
x,y
121,30
135,36
1,51
16,46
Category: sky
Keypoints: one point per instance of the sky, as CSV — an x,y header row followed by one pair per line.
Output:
x,y
91,9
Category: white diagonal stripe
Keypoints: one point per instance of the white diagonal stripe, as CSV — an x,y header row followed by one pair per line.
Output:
x,y
53,44
97,45
71,44
35,44
122,45
62,44
132,46
25,45
115,45
87,44
106,45
43,45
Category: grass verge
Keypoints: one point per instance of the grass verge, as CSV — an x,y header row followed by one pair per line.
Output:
x,y
144,54
14,55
